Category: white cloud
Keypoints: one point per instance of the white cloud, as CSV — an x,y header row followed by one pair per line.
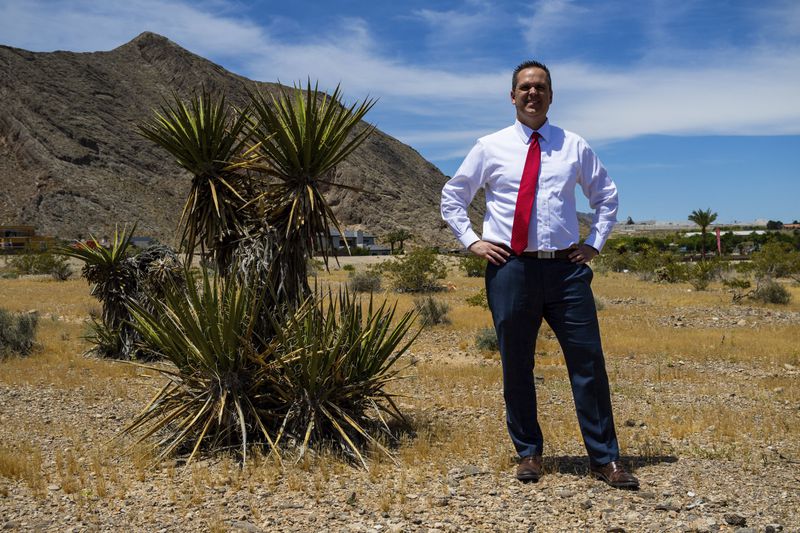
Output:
x,y
453,27
727,92
752,95
88,25
550,19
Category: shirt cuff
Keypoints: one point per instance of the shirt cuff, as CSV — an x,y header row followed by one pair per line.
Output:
x,y
469,238
595,241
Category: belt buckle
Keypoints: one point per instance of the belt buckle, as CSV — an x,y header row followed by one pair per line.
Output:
x,y
541,254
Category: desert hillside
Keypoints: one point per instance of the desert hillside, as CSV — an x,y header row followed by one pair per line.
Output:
x,y
72,163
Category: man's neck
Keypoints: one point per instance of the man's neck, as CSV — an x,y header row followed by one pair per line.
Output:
x,y
534,125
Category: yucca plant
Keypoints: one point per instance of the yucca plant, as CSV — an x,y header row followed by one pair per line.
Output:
x,y
257,356
214,393
113,282
206,136
299,137
334,359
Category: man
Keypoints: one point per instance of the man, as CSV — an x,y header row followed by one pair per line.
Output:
x,y
537,268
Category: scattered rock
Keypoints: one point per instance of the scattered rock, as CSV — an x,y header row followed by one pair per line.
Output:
x,y
696,503
669,505
733,519
245,526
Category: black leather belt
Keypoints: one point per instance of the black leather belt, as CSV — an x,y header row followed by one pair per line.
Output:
x,y
541,254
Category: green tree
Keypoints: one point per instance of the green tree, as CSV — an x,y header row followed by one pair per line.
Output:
x,y
776,260
419,271
399,236
703,218
391,238
774,224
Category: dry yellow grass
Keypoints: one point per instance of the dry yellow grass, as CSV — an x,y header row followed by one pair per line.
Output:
x,y
716,393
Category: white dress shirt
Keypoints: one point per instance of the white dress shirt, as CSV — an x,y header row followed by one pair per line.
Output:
x,y
496,163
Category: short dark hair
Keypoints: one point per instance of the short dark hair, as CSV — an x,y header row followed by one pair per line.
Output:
x,y
530,64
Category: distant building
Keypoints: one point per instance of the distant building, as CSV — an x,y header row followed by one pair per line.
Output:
x,y
335,242
737,232
19,239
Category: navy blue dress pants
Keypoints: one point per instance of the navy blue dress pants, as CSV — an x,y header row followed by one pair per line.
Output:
x,y
523,291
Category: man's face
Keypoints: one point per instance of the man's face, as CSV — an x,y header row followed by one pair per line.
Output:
x,y
532,97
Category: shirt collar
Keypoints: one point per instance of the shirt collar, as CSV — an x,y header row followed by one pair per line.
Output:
x,y
525,132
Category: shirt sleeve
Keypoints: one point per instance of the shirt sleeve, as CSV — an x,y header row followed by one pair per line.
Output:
x,y
602,194
458,193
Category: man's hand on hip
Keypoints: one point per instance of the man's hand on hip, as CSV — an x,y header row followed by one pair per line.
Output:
x,y
583,254
491,252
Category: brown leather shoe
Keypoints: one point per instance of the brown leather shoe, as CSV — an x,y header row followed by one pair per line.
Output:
x,y
530,468
615,475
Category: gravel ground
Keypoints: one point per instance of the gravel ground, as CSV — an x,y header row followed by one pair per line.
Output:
x,y
463,494
715,444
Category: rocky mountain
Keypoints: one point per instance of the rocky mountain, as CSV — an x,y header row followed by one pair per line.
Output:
x,y
73,164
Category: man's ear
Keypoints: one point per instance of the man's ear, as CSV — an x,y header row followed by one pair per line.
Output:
x,y
513,100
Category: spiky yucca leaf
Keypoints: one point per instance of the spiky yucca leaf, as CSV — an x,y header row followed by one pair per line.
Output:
x,y
205,136
335,359
299,137
210,400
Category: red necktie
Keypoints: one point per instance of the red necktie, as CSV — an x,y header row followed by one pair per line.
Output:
x,y
526,195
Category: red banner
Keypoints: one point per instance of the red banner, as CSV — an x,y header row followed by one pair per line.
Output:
x,y
719,244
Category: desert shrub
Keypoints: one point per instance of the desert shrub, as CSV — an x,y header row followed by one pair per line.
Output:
x,y
41,263
349,268
27,263
358,251
478,299
486,340
432,311
736,283
650,262
599,304
770,291
776,260
702,273
61,271
17,333
473,266
368,281
612,260
672,272
417,271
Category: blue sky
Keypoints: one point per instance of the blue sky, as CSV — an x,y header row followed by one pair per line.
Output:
x,y
689,104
